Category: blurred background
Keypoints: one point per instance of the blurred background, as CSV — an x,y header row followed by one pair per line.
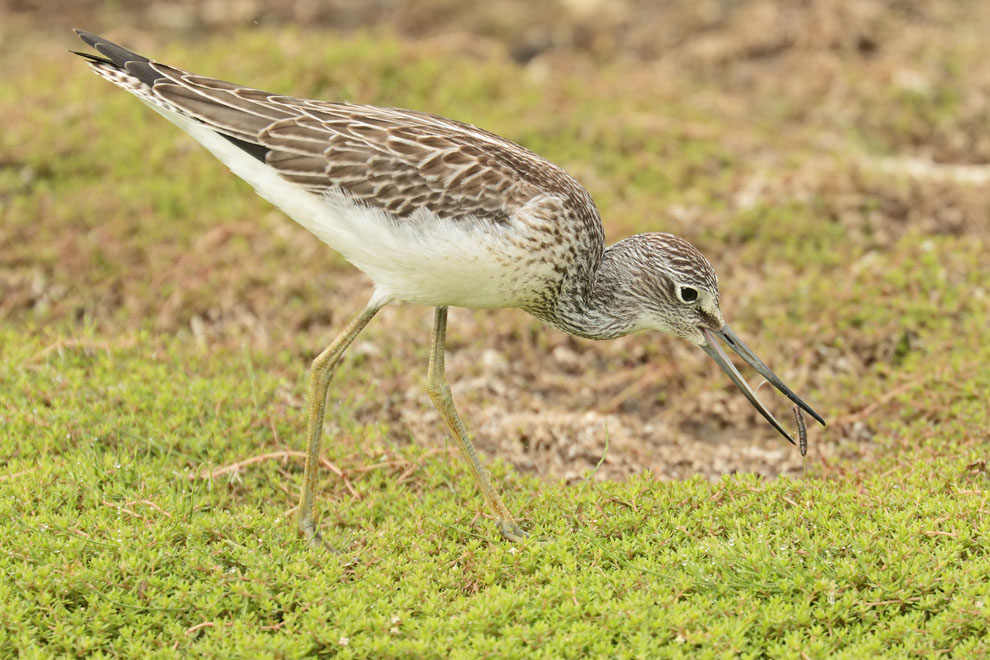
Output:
x,y
830,158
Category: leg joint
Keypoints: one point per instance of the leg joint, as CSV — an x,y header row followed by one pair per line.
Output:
x,y
437,388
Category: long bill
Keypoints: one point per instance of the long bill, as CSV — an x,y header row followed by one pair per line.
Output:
x,y
714,350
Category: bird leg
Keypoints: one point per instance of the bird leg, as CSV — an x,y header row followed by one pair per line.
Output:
x,y
319,380
436,385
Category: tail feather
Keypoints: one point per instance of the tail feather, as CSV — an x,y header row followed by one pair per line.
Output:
x,y
116,53
122,58
151,80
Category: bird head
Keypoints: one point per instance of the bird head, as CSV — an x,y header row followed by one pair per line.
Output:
x,y
671,287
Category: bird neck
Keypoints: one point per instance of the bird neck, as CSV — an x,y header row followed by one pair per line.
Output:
x,y
594,301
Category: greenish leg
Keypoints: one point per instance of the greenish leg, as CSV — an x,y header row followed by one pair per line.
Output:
x,y
319,380
436,385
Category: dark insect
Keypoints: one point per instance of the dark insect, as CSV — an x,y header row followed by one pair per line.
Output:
x,y
802,431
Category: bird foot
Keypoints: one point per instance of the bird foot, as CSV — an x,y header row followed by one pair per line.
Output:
x,y
510,531
308,529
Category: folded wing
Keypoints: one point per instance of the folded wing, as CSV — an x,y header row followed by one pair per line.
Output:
x,y
395,160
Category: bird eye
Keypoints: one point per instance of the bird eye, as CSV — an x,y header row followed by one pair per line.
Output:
x,y
687,294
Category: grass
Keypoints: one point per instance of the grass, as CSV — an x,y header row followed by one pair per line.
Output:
x,y
154,334
114,542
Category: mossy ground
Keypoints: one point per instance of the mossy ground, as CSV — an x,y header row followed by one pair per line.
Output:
x,y
116,541
158,319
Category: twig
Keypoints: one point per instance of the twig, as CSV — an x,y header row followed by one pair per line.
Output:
x,y
153,506
416,465
69,533
199,626
402,461
121,507
378,466
5,477
896,601
233,467
76,343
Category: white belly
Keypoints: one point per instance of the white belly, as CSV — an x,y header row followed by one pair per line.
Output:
x,y
431,261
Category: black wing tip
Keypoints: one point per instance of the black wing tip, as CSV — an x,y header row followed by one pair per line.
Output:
x,y
96,59
138,65
117,54
92,40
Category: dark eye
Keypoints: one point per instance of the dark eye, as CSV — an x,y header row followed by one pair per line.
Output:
x,y
687,294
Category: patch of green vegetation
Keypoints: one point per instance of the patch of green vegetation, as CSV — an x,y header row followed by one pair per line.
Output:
x,y
111,541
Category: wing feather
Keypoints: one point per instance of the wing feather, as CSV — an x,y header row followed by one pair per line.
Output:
x,y
399,161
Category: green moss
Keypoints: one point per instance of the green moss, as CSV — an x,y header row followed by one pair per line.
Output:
x,y
110,544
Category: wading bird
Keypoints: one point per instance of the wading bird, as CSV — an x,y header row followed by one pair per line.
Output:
x,y
440,213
